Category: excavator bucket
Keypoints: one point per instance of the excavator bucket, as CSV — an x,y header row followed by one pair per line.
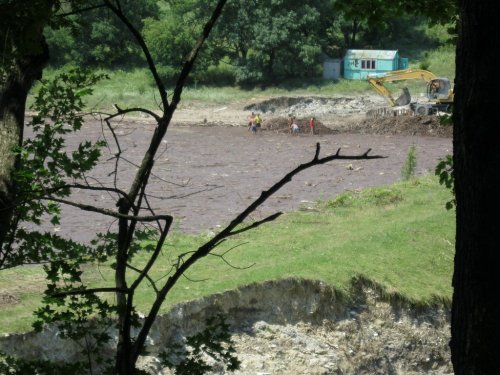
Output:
x,y
404,98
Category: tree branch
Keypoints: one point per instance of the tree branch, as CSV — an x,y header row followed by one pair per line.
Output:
x,y
89,291
122,112
80,10
205,249
140,40
188,64
103,211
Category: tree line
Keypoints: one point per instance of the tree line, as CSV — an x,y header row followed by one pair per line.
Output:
x,y
253,41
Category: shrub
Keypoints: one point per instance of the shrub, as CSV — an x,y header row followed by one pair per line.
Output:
x,y
342,200
410,165
384,197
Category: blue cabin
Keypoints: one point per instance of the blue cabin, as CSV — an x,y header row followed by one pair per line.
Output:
x,y
359,63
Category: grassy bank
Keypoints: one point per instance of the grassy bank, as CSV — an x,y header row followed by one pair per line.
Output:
x,y
399,236
136,89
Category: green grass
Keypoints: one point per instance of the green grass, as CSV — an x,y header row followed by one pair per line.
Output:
x,y
135,88
400,237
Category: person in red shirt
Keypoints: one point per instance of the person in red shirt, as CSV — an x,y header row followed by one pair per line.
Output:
x,y
311,125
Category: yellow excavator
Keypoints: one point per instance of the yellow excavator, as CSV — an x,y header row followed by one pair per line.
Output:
x,y
439,93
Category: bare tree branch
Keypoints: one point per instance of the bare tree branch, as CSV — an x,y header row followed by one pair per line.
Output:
x,y
103,211
154,256
147,277
188,65
77,292
140,40
257,223
80,10
122,112
205,249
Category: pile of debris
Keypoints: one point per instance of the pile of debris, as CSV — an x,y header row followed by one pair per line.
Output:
x,y
400,125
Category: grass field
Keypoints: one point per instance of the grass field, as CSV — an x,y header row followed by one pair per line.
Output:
x,y
399,236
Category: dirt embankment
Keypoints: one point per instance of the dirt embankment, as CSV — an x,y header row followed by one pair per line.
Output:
x,y
296,326
343,114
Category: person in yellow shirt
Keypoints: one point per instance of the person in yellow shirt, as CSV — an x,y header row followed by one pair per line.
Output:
x,y
258,121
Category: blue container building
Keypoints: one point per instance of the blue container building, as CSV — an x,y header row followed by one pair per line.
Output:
x,y
359,63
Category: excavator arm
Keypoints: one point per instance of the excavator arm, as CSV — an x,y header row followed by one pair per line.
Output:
x,y
377,83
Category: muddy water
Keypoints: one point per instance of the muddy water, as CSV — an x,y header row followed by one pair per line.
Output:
x,y
204,176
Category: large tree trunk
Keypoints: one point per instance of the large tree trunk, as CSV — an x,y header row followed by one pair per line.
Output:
x,y
13,94
476,281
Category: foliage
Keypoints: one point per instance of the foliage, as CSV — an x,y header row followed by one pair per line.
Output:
x,y
410,164
214,341
44,179
46,165
97,38
424,65
171,38
13,366
253,42
444,170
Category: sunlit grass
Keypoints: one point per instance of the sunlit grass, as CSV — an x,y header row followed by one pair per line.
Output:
x,y
400,236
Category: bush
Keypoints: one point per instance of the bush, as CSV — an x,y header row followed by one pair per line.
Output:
x,y
341,200
410,165
220,75
424,65
384,197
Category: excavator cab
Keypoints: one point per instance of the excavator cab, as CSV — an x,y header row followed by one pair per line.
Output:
x,y
439,89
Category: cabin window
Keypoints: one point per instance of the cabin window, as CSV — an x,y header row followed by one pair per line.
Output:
x,y
368,64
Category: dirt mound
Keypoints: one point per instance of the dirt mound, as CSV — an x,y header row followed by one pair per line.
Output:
x,y
401,125
343,114
280,125
317,106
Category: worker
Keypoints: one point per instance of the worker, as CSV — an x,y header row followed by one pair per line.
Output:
x,y
258,121
435,89
312,125
251,120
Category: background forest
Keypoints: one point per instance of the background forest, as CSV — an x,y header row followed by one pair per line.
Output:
x,y
251,42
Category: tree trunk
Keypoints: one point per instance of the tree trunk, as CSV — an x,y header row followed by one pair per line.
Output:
x,y
13,94
476,280
355,25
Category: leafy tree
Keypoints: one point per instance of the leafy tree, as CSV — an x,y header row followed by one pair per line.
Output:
x,y
171,38
95,37
24,55
277,39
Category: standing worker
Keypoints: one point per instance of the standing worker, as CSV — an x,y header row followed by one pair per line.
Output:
x,y
251,120
258,121
311,125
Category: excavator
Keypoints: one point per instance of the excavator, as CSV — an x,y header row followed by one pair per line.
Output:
x,y
439,93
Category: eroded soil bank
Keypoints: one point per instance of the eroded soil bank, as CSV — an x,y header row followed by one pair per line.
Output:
x,y
297,327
